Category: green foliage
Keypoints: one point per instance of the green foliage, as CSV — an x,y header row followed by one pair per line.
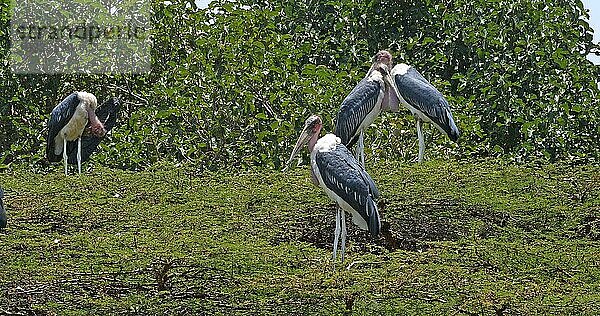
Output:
x,y
232,85
514,71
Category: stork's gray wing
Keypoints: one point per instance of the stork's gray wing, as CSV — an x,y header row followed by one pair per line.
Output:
x,y
343,175
107,114
60,116
2,210
354,110
415,74
425,98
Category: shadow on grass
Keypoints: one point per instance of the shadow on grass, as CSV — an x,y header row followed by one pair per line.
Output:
x,y
589,226
406,226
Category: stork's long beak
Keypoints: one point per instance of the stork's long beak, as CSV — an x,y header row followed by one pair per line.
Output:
x,y
302,140
394,98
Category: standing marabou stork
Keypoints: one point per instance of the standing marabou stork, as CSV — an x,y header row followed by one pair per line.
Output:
x,y
425,102
75,118
335,170
2,210
363,104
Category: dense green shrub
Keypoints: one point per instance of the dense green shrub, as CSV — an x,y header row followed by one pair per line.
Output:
x,y
232,85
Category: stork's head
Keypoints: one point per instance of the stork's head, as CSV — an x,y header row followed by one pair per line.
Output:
x,y
309,135
96,127
382,62
383,57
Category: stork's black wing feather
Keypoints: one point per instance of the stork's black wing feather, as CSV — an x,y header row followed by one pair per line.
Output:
x,y
2,210
59,117
424,97
355,107
342,174
107,114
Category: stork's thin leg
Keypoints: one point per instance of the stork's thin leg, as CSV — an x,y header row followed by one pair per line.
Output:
x,y
360,149
79,154
65,153
421,139
337,233
344,233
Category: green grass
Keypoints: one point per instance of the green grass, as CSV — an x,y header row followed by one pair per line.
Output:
x,y
467,239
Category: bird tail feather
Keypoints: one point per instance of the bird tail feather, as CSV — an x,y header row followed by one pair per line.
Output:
x,y
374,222
50,151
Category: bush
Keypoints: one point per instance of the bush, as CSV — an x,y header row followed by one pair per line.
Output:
x,y
233,84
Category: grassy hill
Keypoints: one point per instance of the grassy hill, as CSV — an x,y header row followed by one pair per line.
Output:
x,y
461,238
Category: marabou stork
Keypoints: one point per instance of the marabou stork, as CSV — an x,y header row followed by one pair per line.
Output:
x,y
425,102
75,119
360,108
344,180
2,210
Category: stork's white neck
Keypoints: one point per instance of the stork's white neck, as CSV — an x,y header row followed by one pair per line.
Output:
x,y
88,99
327,143
402,69
374,75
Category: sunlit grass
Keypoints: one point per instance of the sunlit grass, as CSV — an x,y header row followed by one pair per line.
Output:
x,y
479,238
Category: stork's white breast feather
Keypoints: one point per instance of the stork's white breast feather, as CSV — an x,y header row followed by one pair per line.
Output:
x,y
75,127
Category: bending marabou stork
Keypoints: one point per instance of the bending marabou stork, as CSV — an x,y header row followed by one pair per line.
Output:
x,y
425,102
335,170
2,210
360,108
76,119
